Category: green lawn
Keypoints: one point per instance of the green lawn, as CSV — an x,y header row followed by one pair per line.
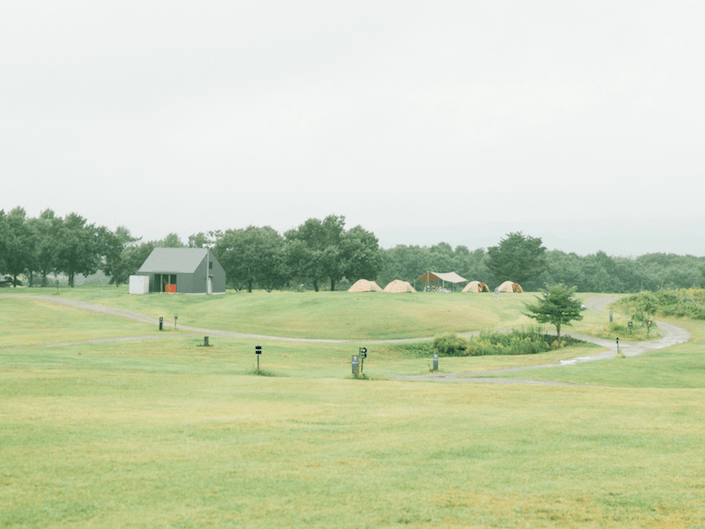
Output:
x,y
29,322
330,315
165,433
680,366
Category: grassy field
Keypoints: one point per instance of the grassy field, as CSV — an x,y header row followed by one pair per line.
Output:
x,y
165,433
330,315
31,322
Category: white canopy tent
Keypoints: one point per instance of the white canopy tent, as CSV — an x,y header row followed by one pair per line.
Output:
x,y
450,277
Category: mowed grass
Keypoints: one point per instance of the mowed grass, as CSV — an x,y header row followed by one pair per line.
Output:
x,y
166,433
192,450
29,322
680,366
328,315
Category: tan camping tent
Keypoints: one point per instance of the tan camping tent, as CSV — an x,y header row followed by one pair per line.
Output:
x,y
476,286
399,286
508,286
363,285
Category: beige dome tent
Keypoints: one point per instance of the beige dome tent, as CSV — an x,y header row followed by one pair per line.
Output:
x,y
399,286
363,285
508,286
476,286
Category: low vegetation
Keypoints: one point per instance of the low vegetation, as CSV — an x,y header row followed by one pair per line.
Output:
x,y
515,342
680,303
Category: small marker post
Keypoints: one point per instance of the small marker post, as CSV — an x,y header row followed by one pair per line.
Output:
x,y
176,317
618,346
363,355
258,353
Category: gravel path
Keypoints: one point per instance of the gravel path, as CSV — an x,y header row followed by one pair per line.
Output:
x,y
671,335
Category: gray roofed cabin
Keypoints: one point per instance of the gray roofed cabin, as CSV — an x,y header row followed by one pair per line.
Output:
x,y
184,270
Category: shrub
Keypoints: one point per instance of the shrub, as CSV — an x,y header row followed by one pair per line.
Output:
x,y
516,342
682,303
450,344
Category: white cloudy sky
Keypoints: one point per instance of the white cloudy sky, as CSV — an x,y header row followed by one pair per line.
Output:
x,y
582,123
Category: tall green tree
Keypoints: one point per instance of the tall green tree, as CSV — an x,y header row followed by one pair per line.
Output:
x,y
4,230
117,264
360,253
78,247
20,244
252,256
314,250
556,305
46,227
517,258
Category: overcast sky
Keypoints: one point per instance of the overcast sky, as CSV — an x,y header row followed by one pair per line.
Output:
x,y
582,123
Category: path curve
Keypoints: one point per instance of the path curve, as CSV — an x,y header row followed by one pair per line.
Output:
x,y
672,335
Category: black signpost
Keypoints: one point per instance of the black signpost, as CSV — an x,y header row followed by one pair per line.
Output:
x,y
363,355
258,353
161,323
617,346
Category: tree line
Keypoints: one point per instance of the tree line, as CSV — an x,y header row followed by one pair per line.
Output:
x,y
322,253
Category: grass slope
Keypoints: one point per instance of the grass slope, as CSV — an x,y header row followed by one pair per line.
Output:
x,y
329,315
30,322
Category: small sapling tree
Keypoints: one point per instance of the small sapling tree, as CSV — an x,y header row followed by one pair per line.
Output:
x,y
556,305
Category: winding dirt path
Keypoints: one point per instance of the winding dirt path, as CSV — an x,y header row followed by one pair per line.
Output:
x,y
671,335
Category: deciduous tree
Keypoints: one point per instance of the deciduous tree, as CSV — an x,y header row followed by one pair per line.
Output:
x,y
78,247
20,243
556,305
117,264
252,256
517,258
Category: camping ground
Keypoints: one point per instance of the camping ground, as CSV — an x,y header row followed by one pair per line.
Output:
x,y
162,432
